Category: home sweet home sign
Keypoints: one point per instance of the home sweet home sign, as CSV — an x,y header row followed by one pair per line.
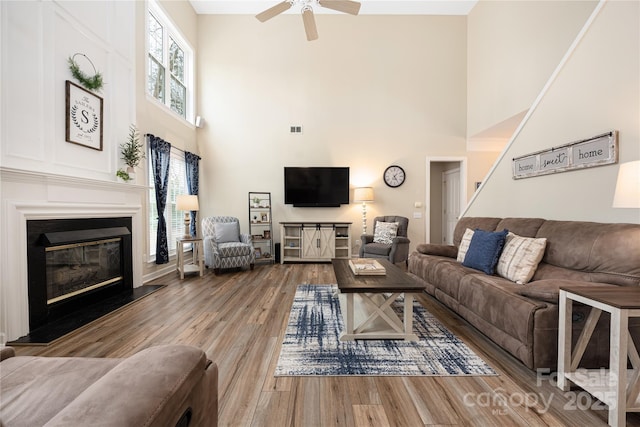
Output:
x,y
596,151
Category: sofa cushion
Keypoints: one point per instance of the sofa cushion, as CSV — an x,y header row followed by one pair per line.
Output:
x,y
35,389
448,251
525,227
226,232
464,244
494,299
385,232
483,223
381,249
234,249
520,258
150,388
484,250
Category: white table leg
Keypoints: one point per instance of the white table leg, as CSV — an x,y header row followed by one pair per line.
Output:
x,y
408,314
180,259
350,312
564,339
618,367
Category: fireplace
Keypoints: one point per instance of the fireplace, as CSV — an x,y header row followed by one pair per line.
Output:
x,y
73,263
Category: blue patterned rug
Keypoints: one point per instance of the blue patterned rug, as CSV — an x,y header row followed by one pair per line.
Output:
x,y
312,347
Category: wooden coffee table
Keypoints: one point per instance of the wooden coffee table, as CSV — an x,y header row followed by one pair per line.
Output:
x,y
366,302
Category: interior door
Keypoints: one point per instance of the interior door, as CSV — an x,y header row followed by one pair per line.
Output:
x,y
450,203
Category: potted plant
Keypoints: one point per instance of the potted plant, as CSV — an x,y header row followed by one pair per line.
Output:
x,y
256,202
132,151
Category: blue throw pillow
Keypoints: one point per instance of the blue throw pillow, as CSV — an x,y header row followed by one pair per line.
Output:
x,y
484,250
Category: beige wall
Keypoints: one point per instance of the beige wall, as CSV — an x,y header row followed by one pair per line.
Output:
x,y
370,92
514,47
597,90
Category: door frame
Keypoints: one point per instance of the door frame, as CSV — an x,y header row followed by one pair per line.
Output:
x,y
463,187
446,173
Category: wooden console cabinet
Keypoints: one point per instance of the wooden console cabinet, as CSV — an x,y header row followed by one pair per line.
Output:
x,y
314,241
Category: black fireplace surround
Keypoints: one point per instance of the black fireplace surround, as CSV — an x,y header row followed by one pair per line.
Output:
x,y
73,263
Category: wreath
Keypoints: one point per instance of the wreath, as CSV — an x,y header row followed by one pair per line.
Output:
x,y
94,82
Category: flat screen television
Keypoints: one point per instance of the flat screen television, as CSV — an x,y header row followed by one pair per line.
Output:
x,y
316,186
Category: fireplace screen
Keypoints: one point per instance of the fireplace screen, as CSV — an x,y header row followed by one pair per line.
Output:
x,y
80,267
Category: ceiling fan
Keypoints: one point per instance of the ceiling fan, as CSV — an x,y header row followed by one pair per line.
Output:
x,y
345,6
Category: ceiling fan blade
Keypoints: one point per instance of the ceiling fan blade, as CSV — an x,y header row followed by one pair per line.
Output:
x,y
346,6
309,24
274,11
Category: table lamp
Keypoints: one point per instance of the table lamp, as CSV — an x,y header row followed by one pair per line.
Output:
x,y
364,195
627,194
187,203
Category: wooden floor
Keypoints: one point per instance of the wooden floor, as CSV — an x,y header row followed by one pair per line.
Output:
x,y
238,318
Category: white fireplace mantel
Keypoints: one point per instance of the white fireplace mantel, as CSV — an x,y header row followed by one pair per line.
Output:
x,y
28,195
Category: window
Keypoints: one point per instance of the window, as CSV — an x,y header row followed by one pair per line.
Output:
x,y
174,217
169,64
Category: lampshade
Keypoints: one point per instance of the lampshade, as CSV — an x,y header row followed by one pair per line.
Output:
x,y
187,202
627,193
363,194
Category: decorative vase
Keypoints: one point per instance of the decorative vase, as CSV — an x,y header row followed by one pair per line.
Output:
x,y
132,174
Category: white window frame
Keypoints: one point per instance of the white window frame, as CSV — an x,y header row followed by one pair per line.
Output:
x,y
176,156
170,30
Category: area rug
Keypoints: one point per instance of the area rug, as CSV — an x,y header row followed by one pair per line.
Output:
x,y
312,347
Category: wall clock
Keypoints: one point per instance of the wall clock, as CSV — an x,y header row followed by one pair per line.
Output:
x,y
394,176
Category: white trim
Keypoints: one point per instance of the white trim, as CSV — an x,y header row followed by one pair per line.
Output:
x,y
15,304
463,188
538,99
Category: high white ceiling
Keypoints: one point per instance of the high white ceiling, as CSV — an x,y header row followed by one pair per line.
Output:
x,y
369,7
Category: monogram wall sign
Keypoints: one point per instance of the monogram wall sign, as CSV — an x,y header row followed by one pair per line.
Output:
x,y
83,117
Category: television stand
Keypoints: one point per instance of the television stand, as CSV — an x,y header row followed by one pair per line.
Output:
x,y
314,241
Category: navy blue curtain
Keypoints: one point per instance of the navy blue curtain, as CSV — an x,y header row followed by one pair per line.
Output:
x,y
193,183
160,157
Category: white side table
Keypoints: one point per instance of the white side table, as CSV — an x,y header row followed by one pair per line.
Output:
x,y
618,387
197,264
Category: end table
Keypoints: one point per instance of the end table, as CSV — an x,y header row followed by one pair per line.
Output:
x,y
197,264
618,387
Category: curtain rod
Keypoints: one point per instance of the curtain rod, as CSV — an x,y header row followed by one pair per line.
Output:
x,y
172,146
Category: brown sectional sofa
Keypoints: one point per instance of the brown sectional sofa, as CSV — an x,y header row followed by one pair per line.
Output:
x,y
170,385
523,319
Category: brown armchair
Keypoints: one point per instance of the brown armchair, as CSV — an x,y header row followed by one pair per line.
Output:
x,y
397,250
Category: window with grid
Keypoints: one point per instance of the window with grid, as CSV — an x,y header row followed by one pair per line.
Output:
x,y
174,217
169,64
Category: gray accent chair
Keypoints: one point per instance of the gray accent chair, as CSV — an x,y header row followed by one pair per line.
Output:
x,y
395,252
224,245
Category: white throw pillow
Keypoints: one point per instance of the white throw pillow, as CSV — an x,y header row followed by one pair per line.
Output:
x,y
385,232
464,244
520,258
226,232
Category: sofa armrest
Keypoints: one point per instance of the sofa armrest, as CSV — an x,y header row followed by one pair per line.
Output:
x,y
246,238
439,250
6,352
401,240
366,238
156,386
